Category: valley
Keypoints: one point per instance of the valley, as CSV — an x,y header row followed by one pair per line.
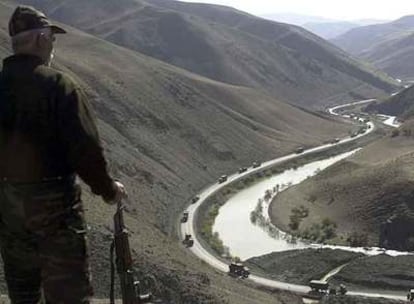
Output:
x,y
185,93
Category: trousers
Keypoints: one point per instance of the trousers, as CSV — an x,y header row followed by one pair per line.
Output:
x,y
43,243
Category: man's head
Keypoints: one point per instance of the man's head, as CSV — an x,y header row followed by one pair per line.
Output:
x,y
32,33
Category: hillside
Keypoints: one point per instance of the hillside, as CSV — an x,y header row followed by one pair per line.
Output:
x,y
401,105
369,196
168,133
229,46
388,46
330,30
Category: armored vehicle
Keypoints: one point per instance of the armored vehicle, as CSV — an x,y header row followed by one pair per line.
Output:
x,y
238,270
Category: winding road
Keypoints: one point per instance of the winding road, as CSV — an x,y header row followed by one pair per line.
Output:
x,y
197,249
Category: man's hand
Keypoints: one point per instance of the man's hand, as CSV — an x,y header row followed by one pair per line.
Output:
x,y
120,194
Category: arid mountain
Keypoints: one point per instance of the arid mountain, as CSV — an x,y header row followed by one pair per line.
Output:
x,y
296,19
389,46
360,195
401,105
168,133
330,30
229,46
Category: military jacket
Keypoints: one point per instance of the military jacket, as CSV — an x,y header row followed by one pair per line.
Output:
x,y
47,128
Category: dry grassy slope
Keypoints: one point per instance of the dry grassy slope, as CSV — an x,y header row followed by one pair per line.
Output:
x,y
160,126
227,45
357,40
394,56
401,105
360,193
388,46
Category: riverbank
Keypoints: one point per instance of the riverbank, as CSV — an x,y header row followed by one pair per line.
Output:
x,y
357,300
381,272
357,195
359,272
207,212
300,266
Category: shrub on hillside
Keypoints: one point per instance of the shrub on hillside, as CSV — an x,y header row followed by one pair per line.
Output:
x,y
395,133
357,239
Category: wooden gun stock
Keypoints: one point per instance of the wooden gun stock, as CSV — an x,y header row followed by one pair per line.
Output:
x,y
130,288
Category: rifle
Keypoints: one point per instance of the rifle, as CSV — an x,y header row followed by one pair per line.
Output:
x,y
130,288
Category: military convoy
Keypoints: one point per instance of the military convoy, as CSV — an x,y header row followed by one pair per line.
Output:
x,y
184,218
238,270
188,241
319,286
256,164
222,179
242,169
322,288
300,150
410,295
195,199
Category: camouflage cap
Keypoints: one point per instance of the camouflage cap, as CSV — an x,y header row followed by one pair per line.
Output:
x,y
26,18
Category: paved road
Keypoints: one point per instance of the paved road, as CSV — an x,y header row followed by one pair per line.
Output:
x,y
205,255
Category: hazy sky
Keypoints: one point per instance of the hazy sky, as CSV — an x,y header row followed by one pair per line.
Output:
x,y
335,9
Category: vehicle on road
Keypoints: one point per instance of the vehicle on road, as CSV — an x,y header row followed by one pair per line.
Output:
x,y
188,241
342,289
195,199
410,295
319,286
256,164
222,179
238,270
362,130
184,219
299,150
335,141
242,169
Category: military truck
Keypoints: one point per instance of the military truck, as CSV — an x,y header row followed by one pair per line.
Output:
x,y
410,295
319,286
342,290
256,164
242,169
188,241
184,219
195,199
238,270
300,150
222,179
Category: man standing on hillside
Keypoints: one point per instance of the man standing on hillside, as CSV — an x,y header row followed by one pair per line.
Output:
x,y
47,136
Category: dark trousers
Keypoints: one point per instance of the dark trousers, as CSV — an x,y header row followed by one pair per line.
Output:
x,y
43,243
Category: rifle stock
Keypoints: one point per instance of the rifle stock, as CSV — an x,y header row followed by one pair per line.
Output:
x,y
130,288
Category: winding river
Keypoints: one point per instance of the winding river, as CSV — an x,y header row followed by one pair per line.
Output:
x,y
246,240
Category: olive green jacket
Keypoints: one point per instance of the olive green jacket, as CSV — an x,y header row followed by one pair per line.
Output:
x,y
47,128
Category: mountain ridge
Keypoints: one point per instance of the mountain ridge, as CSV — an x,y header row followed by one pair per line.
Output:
x,y
167,133
231,46
387,46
